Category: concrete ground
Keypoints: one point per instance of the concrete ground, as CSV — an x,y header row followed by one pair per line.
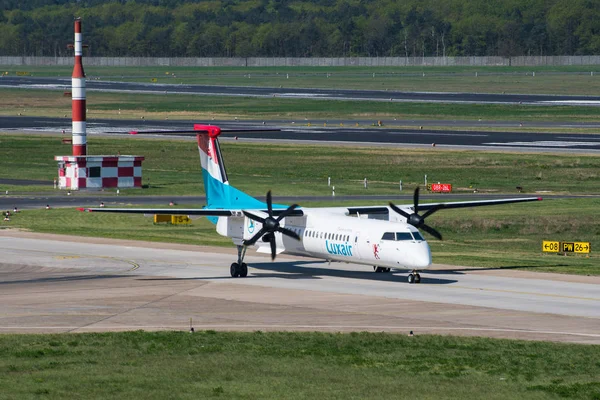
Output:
x,y
54,283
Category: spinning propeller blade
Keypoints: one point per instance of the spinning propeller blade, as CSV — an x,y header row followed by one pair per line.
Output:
x,y
270,225
416,220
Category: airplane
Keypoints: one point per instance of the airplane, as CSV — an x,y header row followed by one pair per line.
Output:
x,y
384,237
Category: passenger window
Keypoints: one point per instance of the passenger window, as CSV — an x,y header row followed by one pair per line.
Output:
x,y
403,236
388,236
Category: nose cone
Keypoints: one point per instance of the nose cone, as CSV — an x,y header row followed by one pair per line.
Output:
x,y
422,256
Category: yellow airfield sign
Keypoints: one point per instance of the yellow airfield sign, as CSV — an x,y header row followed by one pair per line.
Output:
x,y
550,247
582,247
180,220
173,219
567,247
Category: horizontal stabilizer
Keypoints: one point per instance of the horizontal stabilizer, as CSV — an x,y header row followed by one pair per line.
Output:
x,y
206,212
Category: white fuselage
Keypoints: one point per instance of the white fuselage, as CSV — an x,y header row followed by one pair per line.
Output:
x,y
337,237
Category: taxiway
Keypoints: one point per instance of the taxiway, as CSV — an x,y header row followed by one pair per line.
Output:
x,y
332,133
71,284
58,83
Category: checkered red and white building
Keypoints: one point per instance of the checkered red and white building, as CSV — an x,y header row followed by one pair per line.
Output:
x,y
98,172
81,171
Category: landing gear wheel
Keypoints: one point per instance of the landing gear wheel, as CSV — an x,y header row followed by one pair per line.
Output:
x,y
379,269
234,270
417,278
387,270
243,270
411,278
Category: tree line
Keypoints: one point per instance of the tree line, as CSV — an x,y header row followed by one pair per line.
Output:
x,y
316,28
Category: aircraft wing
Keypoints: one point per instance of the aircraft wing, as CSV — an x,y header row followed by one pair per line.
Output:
x,y
203,212
445,205
476,203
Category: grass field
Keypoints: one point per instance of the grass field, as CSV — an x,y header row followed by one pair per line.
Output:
x,y
29,102
574,80
264,365
173,167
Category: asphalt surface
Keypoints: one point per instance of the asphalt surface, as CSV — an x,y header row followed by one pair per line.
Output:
x,y
54,83
71,284
302,133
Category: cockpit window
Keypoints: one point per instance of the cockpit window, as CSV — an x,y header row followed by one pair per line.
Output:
x,y
388,236
417,236
403,236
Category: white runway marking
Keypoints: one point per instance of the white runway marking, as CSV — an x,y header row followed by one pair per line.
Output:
x,y
572,102
577,138
544,143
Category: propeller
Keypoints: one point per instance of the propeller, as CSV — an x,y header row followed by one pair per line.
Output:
x,y
416,220
270,225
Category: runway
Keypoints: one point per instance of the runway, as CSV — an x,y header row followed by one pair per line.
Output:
x,y
332,134
58,83
71,284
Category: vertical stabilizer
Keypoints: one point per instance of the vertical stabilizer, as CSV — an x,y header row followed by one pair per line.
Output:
x,y
219,194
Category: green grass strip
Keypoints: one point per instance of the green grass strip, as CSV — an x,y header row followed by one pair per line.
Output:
x,y
262,365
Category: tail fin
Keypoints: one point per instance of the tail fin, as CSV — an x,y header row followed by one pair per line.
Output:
x,y
219,194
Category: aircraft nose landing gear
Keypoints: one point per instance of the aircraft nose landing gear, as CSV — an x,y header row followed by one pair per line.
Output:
x,y
239,268
414,277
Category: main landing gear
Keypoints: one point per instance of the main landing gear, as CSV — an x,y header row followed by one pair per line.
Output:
x,y
414,277
239,268
381,269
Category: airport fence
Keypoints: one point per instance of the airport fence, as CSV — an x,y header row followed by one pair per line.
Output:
x,y
530,61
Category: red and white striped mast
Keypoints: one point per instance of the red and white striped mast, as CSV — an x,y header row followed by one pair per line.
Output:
x,y
78,96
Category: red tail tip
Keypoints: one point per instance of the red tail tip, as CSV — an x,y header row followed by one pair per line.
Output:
x,y
539,199
133,132
81,209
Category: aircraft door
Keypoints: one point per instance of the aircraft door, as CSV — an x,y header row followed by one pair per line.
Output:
x,y
358,244
367,249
